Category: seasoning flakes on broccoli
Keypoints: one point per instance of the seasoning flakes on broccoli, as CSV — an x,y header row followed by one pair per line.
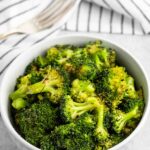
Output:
x,y
76,98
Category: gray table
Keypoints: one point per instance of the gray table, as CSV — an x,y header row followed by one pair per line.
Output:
x,y
140,48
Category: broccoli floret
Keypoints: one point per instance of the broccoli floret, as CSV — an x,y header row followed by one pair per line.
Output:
x,y
41,62
101,132
86,72
113,140
19,103
34,122
105,58
82,89
114,84
78,58
64,56
93,47
59,55
22,87
70,109
55,84
133,109
47,143
73,136
76,98
102,57
86,121
52,54
130,90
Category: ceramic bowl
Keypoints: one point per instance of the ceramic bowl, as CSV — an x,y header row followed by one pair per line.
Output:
x,y
18,66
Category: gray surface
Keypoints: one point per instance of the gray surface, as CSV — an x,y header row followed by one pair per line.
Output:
x,y
140,48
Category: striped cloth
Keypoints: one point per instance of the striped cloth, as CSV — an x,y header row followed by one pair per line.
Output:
x,y
89,17
103,18
15,12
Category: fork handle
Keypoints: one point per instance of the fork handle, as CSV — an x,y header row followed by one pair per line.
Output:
x,y
5,36
26,28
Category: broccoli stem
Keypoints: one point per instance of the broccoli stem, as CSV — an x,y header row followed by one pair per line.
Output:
x,y
35,88
42,86
122,122
20,93
81,108
19,103
98,62
100,131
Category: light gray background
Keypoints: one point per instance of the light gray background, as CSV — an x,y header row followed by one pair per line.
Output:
x,y
139,46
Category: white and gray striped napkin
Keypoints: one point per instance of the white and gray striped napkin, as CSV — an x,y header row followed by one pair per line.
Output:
x,y
15,12
109,16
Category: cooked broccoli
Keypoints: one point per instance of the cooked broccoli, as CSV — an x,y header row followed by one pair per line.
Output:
x,y
76,98
34,122
82,89
114,84
52,54
70,109
41,62
86,121
59,55
93,47
22,87
78,58
103,57
19,103
132,109
71,136
86,72
101,132
54,83
113,140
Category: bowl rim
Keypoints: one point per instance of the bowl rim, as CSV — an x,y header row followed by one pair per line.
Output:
x,y
18,137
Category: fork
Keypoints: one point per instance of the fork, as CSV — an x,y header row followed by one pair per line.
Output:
x,y
46,19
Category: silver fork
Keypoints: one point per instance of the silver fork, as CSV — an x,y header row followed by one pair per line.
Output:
x,y
46,19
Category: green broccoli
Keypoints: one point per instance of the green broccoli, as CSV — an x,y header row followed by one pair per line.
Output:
x,y
19,103
22,87
77,59
76,98
41,62
54,83
132,109
86,72
82,89
93,47
113,140
35,121
70,109
103,57
114,84
101,132
52,54
71,136
86,121
60,54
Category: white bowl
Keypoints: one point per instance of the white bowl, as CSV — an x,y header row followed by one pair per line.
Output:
x,y
18,66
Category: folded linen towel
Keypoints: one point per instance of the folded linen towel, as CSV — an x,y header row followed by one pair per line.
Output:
x,y
89,17
108,16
